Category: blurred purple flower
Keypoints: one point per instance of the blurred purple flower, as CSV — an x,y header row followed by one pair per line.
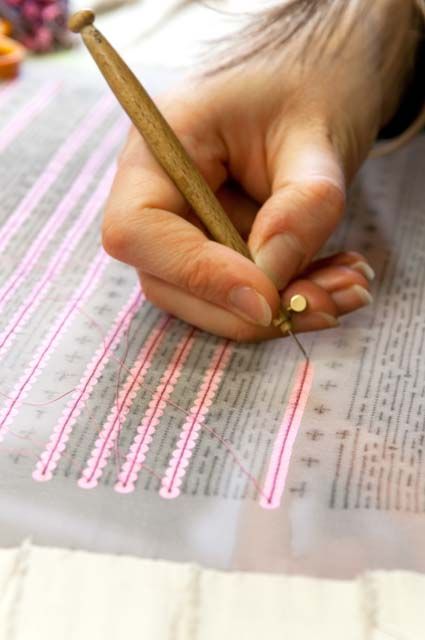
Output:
x,y
39,24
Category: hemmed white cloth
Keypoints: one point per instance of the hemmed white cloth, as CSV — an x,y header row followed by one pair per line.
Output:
x,y
75,595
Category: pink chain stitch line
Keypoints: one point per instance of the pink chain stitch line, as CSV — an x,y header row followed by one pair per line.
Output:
x,y
274,484
62,156
136,456
27,114
49,459
107,436
45,350
179,460
56,264
60,214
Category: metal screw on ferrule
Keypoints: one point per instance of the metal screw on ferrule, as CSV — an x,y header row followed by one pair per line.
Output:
x,y
297,304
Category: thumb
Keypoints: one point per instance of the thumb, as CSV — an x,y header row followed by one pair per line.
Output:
x,y
308,197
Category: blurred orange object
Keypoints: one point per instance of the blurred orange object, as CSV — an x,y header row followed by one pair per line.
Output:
x,y
11,53
5,28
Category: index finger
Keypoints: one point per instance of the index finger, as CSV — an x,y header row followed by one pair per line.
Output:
x,y
144,226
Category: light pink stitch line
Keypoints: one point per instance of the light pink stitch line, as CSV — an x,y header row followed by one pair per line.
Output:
x,y
282,450
58,329
49,459
27,114
107,436
56,263
62,156
136,456
179,460
60,214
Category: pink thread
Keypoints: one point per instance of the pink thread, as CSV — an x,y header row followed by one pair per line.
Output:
x,y
105,441
282,450
49,459
62,156
70,391
32,440
236,459
60,214
117,391
56,263
58,329
124,367
40,443
28,113
210,430
41,404
22,453
30,454
136,456
179,460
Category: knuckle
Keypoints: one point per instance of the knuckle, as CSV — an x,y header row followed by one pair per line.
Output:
x,y
326,199
115,239
200,275
317,207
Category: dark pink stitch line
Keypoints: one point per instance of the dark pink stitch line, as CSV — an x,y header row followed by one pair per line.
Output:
x,y
281,454
88,479
291,420
100,263
195,418
107,347
124,482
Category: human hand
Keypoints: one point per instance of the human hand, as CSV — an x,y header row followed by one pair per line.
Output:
x,y
279,156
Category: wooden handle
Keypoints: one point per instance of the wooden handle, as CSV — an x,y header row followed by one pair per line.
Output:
x,y
157,133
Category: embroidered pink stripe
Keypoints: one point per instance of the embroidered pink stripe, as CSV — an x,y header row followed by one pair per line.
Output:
x,y
56,263
57,331
106,439
282,450
49,459
63,155
27,114
137,453
60,214
179,460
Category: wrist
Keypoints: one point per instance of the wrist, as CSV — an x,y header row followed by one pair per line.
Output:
x,y
399,57
412,101
392,51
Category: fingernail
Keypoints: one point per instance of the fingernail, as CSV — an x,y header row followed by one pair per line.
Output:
x,y
352,296
363,294
280,257
331,321
365,269
250,305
